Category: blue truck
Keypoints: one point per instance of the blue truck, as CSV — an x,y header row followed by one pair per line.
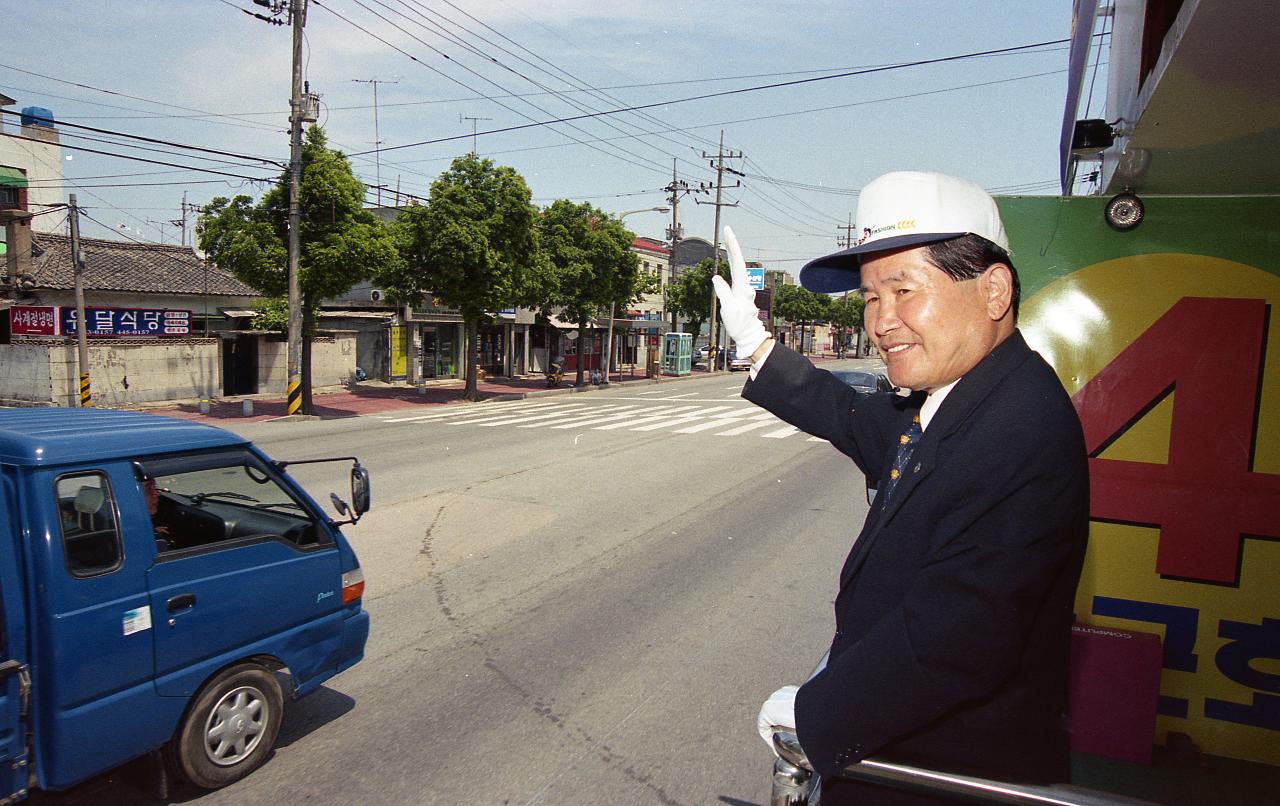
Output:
x,y
163,585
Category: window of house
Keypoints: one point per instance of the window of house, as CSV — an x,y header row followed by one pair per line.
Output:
x,y
90,533
211,501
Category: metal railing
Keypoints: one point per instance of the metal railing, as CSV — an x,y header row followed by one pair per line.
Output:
x,y
793,783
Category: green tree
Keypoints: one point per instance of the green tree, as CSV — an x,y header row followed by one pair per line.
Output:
x,y
799,306
591,263
690,295
845,316
341,242
473,245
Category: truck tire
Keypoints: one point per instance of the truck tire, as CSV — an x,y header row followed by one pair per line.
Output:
x,y
230,728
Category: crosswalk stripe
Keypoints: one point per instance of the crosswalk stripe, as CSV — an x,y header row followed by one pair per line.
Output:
x,y
705,425
782,433
592,419
681,416
453,410
667,423
685,418
523,418
736,413
645,418
472,420
742,429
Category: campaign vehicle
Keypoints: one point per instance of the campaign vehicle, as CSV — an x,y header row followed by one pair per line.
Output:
x,y
164,585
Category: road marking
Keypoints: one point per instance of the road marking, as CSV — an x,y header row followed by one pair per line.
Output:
x,y
742,429
522,418
646,418
684,418
588,419
740,411
454,410
703,426
472,419
782,433
677,397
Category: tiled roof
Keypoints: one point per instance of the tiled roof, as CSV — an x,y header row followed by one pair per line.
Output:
x,y
132,267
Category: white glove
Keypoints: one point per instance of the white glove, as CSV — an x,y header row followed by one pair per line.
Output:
x,y
777,714
738,302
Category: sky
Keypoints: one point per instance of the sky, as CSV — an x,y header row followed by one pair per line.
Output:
x,y
204,73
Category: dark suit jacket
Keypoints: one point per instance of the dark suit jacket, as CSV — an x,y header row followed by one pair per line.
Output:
x,y
955,604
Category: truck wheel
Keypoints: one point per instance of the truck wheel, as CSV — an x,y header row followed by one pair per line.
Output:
x,y
231,727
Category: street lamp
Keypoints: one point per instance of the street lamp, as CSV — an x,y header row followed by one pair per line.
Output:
x,y
608,337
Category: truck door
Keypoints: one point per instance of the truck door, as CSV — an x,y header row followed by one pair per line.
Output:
x,y
15,683
243,567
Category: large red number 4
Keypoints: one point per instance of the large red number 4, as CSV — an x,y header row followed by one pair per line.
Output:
x,y
1206,500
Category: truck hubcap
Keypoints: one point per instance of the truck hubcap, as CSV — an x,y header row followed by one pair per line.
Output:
x,y
235,726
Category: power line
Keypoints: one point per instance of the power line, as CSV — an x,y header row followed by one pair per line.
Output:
x,y
574,80
144,159
154,141
899,66
448,77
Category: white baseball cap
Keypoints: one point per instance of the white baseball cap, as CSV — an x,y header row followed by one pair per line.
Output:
x,y
907,208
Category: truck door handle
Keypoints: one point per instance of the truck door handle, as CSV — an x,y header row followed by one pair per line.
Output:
x,y
180,602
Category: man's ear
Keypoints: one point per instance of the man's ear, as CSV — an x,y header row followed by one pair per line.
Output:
x,y
999,291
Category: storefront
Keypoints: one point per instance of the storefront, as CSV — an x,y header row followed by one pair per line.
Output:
x,y
436,346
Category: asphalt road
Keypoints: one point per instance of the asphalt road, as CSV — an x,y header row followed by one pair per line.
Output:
x,y
575,600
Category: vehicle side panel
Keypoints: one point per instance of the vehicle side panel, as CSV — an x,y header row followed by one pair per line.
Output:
x,y
96,705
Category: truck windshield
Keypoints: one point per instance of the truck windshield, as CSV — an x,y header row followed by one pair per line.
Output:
x,y
200,500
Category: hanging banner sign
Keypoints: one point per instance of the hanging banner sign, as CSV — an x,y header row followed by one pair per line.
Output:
x,y
32,320
127,322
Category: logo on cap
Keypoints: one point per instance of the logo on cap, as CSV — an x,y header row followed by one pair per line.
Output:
x,y
903,224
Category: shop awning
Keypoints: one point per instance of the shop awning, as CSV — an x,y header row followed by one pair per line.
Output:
x,y
557,322
234,313
636,324
12,178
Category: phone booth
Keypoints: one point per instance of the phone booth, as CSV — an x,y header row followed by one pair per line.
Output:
x,y
677,353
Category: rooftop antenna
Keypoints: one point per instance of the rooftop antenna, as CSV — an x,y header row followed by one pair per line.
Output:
x,y
473,129
377,143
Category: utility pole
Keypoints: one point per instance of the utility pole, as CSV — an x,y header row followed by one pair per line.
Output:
x,y
298,19
181,223
847,241
377,143
713,357
675,190
82,326
473,129
159,225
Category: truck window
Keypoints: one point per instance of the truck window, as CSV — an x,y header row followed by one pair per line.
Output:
x,y
90,537
206,501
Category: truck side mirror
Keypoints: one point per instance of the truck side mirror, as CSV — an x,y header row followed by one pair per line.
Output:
x,y
360,488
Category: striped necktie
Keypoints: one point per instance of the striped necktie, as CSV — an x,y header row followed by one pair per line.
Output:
x,y
906,442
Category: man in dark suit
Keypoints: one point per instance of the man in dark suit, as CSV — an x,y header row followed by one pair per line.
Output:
x,y
955,603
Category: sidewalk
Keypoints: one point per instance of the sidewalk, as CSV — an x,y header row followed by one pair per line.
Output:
x,y
376,397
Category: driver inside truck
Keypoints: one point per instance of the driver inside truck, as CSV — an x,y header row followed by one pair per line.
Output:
x,y
151,491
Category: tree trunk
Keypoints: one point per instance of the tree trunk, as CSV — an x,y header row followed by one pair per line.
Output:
x,y
308,332
582,357
470,356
